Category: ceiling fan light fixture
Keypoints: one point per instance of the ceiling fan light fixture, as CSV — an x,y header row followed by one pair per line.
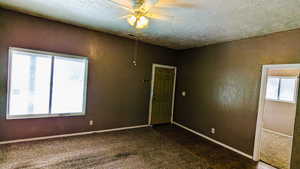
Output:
x,y
131,20
142,22
139,22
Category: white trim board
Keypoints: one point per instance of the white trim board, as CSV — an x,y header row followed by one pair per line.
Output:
x,y
152,89
70,135
276,133
214,141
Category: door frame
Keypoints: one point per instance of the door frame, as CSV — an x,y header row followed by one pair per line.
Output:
x,y
154,66
261,103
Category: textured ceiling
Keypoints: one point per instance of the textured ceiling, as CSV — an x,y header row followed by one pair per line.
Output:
x,y
205,22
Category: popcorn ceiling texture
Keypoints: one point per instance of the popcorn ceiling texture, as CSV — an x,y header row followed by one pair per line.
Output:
x,y
207,22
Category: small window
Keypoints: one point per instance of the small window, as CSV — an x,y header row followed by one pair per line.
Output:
x,y
282,89
272,88
44,84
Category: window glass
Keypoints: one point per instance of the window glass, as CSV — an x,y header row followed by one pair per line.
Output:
x,y
272,88
29,84
287,89
68,85
44,84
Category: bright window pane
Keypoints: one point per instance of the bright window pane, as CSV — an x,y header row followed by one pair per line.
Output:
x,y
29,83
272,88
68,85
287,89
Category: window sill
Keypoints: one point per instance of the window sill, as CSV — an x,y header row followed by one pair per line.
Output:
x,y
39,116
283,101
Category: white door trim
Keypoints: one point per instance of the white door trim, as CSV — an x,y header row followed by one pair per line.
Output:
x,y
154,66
263,86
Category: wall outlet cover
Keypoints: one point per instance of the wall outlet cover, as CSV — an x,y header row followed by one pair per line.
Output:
x,y
213,130
91,122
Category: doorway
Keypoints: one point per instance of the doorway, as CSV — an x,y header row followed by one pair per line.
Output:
x,y
162,94
276,114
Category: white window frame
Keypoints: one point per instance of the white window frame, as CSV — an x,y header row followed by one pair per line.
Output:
x,y
52,54
295,91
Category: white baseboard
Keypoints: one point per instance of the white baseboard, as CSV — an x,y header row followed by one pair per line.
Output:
x,y
214,141
73,134
124,128
276,133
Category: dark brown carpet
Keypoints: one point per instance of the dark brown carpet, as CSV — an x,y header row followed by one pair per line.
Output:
x,y
163,147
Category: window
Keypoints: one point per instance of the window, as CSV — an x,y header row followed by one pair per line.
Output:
x,y
44,84
272,88
282,88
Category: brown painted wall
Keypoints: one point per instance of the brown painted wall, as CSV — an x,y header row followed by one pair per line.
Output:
x,y
223,82
117,93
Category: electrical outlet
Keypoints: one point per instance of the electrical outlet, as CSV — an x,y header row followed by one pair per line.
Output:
x,y
183,93
91,122
212,130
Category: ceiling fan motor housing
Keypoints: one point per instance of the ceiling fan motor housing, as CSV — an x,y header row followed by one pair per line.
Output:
x,y
138,3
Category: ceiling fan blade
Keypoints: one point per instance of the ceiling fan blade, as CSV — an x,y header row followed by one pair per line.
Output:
x,y
124,4
124,17
158,16
175,3
148,4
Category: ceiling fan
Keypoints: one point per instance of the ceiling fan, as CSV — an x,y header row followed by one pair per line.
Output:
x,y
141,11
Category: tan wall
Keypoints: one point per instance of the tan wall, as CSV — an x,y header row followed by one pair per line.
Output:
x,y
291,72
280,116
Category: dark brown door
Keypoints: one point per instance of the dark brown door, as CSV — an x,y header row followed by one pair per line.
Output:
x,y
162,95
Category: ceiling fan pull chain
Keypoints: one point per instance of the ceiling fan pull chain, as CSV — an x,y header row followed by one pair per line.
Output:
x,y
136,45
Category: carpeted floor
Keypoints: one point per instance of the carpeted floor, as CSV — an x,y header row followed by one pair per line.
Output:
x,y
162,147
276,149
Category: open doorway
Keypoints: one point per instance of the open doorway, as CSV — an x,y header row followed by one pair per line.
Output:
x,y
162,94
276,116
